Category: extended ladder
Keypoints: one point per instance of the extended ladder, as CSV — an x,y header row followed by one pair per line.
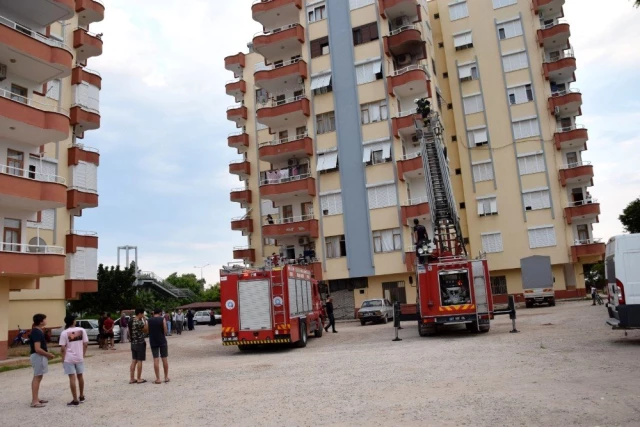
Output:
x,y
277,291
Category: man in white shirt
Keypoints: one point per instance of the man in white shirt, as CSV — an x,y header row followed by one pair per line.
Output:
x,y
74,342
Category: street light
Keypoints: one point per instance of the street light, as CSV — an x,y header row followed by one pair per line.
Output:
x,y
201,268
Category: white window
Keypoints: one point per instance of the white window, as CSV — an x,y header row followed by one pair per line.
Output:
x,y
525,128
515,61
387,241
327,161
331,204
542,237
507,30
478,137
377,152
503,3
473,104
374,112
492,243
463,40
482,172
382,196
317,13
538,199
355,4
326,122
53,89
531,163
368,72
458,10
487,206
468,72
520,94
335,246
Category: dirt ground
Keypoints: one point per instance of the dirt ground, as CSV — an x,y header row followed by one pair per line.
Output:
x,y
565,367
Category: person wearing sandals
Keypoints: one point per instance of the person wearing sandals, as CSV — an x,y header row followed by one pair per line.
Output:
x,y
158,343
138,326
73,343
39,358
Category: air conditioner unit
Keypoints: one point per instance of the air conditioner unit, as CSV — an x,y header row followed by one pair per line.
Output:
x,y
404,59
3,72
293,162
303,241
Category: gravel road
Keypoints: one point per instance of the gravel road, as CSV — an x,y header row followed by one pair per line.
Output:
x,y
566,367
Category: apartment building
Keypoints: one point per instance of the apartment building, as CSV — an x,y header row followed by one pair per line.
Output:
x,y
329,163
49,99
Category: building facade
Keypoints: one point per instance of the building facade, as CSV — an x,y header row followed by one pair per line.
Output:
x,y
330,163
48,100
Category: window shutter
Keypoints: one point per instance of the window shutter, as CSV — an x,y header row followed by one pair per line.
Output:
x,y
515,61
473,104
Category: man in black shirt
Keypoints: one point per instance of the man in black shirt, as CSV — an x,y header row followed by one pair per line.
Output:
x,y
332,319
39,358
420,236
158,343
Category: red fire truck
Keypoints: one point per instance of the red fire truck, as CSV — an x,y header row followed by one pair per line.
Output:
x,y
269,306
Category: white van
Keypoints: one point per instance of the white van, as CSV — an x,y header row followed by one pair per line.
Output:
x,y
622,270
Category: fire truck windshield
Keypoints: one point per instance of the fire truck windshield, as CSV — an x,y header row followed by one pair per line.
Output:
x,y
454,288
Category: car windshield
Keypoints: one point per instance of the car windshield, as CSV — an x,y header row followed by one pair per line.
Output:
x,y
93,323
372,303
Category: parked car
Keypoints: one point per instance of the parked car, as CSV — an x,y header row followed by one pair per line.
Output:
x,y
89,325
201,318
375,310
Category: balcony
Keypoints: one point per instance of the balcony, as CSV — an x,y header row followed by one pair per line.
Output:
x,y
237,114
236,88
76,240
31,261
410,166
242,196
81,153
592,248
413,80
559,68
87,44
576,173
239,141
283,113
280,76
244,253
575,136
582,210
403,124
299,226
280,150
31,55
276,13
241,167
406,40
279,189
554,35
235,63
285,41
44,12
547,7
31,122
391,9
566,103
89,11
84,118
31,191
415,208
81,198
243,224
81,75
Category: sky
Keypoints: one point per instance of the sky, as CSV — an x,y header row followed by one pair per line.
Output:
x,y
163,176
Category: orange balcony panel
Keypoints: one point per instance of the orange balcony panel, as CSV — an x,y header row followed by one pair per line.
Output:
x,y
89,11
239,141
573,137
244,225
554,36
235,63
30,125
238,115
560,69
78,153
410,261
241,196
406,41
246,254
588,250
80,240
395,8
414,211
315,268
31,264
87,44
547,6
284,190
410,167
294,113
577,174
236,89
80,74
276,79
404,125
274,44
297,148
77,199
412,82
586,211
242,168
276,13
30,194
292,229
74,288
84,118
568,103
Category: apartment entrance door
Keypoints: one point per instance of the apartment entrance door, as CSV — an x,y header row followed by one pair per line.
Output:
x,y
394,292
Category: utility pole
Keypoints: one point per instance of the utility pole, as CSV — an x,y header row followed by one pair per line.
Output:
x,y
201,276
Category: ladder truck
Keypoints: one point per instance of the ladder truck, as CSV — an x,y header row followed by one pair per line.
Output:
x,y
451,287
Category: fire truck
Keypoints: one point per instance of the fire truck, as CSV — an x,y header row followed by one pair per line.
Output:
x,y
451,287
269,306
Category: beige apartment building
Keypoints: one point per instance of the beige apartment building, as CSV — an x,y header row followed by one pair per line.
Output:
x,y
48,100
329,164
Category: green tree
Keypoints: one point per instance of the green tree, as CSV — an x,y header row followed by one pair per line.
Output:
x,y
637,3
115,292
630,217
187,281
212,293
594,275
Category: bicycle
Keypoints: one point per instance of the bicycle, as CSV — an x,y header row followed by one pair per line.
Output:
x,y
21,338
599,299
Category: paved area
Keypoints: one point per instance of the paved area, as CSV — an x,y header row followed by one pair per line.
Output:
x,y
566,367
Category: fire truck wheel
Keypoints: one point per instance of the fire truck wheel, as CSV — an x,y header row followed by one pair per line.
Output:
x,y
484,329
426,330
552,302
319,330
303,335
529,304
243,347
363,322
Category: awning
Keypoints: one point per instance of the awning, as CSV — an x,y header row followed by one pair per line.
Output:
x,y
327,161
318,82
385,147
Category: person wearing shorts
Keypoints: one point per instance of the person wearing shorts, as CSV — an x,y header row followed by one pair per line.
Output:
x,y
40,357
158,343
74,342
139,327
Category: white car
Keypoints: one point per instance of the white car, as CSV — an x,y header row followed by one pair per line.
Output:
x,y
201,318
89,325
375,310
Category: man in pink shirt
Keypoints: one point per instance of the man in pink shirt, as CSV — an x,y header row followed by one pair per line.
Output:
x,y
74,342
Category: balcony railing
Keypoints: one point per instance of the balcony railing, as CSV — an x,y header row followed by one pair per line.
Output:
x,y
569,128
411,156
587,201
241,248
411,68
263,67
274,102
284,140
234,162
83,189
33,34
547,59
300,218
89,33
84,148
86,108
553,24
408,112
591,241
416,201
235,107
36,176
403,28
564,92
83,233
232,134
236,80
576,165
24,248
265,180
237,190
32,103
274,31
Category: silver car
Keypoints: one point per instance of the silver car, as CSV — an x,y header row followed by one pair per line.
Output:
x,y
375,310
89,325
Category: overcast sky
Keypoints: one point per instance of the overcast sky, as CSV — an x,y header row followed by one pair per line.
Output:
x,y
163,176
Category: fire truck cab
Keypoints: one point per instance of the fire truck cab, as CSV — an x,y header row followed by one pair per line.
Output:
x,y
269,306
